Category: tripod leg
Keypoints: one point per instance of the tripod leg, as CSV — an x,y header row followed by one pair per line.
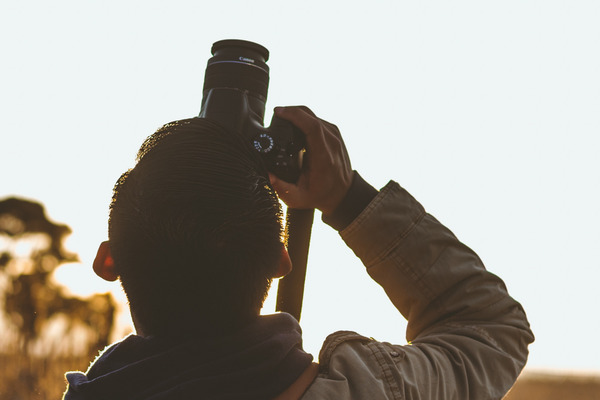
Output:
x,y
291,288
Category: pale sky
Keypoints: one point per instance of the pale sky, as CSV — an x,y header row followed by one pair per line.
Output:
x,y
487,112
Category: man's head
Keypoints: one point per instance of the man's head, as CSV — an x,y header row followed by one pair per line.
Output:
x,y
195,231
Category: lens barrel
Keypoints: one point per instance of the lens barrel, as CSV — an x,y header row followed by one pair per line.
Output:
x,y
238,64
235,94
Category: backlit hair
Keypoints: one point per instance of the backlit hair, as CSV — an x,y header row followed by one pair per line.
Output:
x,y
195,229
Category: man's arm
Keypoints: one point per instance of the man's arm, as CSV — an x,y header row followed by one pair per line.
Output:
x,y
468,336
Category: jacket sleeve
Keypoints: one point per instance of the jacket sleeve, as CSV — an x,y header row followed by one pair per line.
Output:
x,y
467,337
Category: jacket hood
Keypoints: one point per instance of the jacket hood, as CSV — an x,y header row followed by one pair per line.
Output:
x,y
257,362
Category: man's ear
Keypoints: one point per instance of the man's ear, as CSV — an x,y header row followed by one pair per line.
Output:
x,y
104,266
285,263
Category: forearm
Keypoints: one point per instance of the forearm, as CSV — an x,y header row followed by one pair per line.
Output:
x,y
464,327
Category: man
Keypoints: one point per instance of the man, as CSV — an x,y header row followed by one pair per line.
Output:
x,y
195,238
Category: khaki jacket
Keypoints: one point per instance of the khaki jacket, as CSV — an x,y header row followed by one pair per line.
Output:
x,y
467,337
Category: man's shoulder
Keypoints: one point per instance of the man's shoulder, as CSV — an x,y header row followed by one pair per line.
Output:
x,y
353,366
338,343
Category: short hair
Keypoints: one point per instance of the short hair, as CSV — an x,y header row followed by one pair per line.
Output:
x,y
195,230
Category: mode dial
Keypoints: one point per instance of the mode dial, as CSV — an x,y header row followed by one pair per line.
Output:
x,y
263,143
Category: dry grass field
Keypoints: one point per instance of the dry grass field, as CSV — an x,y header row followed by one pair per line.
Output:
x,y
23,378
553,386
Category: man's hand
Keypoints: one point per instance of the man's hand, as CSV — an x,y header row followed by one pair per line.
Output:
x,y
326,173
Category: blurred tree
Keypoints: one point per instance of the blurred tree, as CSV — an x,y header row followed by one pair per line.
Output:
x,y
31,249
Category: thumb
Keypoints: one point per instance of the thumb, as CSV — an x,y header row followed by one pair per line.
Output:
x,y
288,192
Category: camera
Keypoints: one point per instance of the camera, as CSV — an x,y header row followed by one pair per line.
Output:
x,y
236,83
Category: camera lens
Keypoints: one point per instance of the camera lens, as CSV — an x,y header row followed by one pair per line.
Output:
x,y
238,64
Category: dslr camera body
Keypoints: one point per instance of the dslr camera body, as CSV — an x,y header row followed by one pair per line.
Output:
x,y
235,93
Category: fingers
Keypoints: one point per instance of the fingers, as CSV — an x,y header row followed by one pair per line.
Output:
x,y
327,173
318,132
303,118
293,108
